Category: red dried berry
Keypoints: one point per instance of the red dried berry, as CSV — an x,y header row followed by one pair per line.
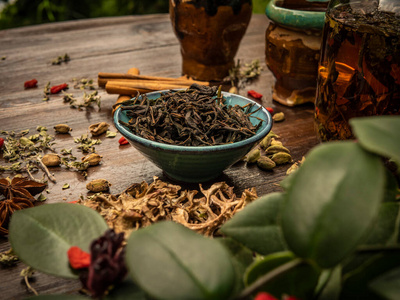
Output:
x,y
123,141
76,201
1,142
78,259
270,110
264,296
58,88
30,84
254,94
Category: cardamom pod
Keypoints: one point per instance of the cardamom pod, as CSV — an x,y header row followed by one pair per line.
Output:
x,y
275,142
98,128
266,141
252,156
98,185
62,128
275,149
278,117
265,163
281,158
292,168
93,159
51,160
233,90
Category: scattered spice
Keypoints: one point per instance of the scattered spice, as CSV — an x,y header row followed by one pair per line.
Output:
x,y
83,84
270,110
8,259
142,204
93,159
88,100
30,84
109,134
46,91
98,185
240,75
65,186
98,128
87,144
62,128
61,59
17,194
27,274
123,141
78,259
278,117
58,88
254,94
51,160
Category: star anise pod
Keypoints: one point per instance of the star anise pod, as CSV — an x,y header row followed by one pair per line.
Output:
x,y
20,187
7,208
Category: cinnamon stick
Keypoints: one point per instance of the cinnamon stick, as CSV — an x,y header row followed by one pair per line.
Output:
x,y
103,78
143,86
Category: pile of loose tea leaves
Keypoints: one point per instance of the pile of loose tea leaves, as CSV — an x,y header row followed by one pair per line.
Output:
x,y
143,204
193,117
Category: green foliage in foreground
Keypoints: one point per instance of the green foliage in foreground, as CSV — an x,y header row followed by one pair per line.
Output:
x,y
332,234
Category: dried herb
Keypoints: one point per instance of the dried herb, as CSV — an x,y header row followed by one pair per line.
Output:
x,y
240,75
143,204
87,144
27,274
46,91
98,128
61,59
194,117
87,101
109,134
8,259
83,84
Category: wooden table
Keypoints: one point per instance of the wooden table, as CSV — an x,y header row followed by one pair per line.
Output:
x,y
115,45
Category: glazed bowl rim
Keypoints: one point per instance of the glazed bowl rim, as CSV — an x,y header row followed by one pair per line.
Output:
x,y
265,129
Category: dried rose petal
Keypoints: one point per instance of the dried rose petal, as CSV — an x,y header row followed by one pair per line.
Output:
x,y
78,259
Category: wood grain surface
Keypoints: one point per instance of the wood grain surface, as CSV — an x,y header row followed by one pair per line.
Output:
x,y
115,45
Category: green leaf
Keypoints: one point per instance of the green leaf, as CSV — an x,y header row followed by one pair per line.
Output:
x,y
170,261
41,236
299,281
332,201
331,284
387,285
356,283
241,257
256,225
379,134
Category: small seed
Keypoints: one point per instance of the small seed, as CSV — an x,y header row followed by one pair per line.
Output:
x,y
275,149
275,142
252,156
233,90
265,163
98,185
51,160
62,128
281,158
98,128
265,142
278,117
93,159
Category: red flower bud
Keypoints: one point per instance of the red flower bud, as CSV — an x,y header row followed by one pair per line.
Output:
x,y
1,142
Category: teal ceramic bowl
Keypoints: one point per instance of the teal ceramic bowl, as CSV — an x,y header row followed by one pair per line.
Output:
x,y
196,163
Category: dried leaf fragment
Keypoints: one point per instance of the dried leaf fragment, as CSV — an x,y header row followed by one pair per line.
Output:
x,y
98,128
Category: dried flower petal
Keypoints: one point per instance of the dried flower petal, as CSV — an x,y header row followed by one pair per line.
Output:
x,y
78,259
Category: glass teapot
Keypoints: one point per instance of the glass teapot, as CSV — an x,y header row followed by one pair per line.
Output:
x,y
359,68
